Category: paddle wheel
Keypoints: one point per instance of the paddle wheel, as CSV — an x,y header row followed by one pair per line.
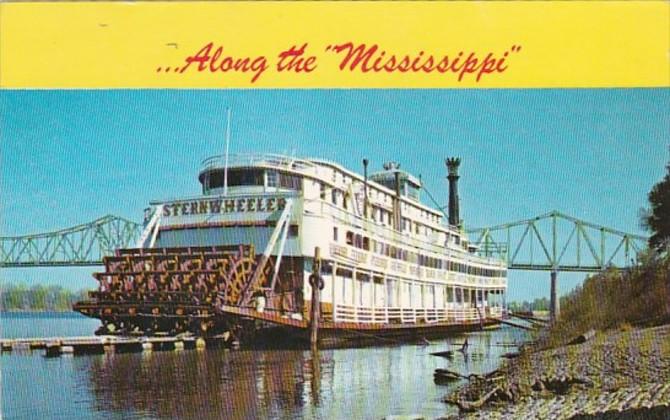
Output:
x,y
173,290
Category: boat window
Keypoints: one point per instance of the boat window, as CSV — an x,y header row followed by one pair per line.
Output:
x,y
293,230
326,268
412,192
322,190
289,181
333,196
363,277
236,177
272,179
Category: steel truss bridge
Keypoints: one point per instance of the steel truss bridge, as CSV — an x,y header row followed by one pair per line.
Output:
x,y
551,242
556,242
81,245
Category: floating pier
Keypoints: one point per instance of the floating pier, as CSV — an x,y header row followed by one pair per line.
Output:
x,y
57,346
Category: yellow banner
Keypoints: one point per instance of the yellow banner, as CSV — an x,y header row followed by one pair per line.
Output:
x,y
335,44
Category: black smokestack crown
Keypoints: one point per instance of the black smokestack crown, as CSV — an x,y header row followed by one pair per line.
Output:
x,y
452,166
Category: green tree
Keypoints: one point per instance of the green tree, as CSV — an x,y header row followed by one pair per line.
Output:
x,y
657,219
38,297
14,296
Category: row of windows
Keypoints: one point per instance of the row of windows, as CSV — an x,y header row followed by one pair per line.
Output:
x,y
283,180
381,248
379,214
454,293
237,177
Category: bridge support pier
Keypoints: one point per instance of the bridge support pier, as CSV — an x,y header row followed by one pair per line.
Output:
x,y
555,304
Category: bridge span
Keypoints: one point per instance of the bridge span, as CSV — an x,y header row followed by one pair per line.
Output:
x,y
81,245
557,242
551,242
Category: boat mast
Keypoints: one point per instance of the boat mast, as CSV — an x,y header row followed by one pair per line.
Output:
x,y
225,164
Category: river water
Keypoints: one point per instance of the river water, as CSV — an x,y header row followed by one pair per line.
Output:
x,y
361,383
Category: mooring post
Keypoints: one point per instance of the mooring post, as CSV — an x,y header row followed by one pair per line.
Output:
x,y
554,305
316,375
315,280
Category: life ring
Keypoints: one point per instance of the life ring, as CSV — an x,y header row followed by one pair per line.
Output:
x,y
316,279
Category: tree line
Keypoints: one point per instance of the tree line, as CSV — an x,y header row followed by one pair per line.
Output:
x,y
637,295
539,304
20,297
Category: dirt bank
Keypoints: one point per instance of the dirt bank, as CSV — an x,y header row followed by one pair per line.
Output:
x,y
614,374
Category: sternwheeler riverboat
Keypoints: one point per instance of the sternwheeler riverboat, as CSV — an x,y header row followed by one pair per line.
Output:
x,y
238,259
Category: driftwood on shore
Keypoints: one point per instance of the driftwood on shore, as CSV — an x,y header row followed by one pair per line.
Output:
x,y
445,375
583,338
470,406
556,385
510,355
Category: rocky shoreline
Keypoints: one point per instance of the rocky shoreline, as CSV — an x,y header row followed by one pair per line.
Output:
x,y
614,374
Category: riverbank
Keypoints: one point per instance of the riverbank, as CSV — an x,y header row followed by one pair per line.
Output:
x,y
615,374
37,311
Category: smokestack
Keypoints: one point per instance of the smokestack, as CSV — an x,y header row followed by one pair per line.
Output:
x,y
452,166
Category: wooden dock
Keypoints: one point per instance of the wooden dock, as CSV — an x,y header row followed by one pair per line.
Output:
x,y
56,346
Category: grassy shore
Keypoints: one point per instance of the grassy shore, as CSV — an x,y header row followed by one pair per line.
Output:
x,y
621,370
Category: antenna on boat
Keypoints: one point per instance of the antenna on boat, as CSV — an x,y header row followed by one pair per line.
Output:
x,y
225,162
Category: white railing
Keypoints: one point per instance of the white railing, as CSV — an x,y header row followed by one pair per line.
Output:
x,y
369,261
397,315
258,159
389,234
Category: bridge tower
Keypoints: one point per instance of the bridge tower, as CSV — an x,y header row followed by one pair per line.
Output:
x,y
554,303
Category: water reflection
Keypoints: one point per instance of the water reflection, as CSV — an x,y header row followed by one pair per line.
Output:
x,y
246,384
364,382
215,383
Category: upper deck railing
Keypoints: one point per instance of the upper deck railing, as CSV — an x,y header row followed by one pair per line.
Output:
x,y
282,162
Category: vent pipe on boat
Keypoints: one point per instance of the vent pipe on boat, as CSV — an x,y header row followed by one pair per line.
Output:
x,y
452,166
365,188
397,210
397,217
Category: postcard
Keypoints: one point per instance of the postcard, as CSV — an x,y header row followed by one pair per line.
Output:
x,y
331,210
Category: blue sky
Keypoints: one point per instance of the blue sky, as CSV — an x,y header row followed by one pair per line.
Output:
x,y
68,157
